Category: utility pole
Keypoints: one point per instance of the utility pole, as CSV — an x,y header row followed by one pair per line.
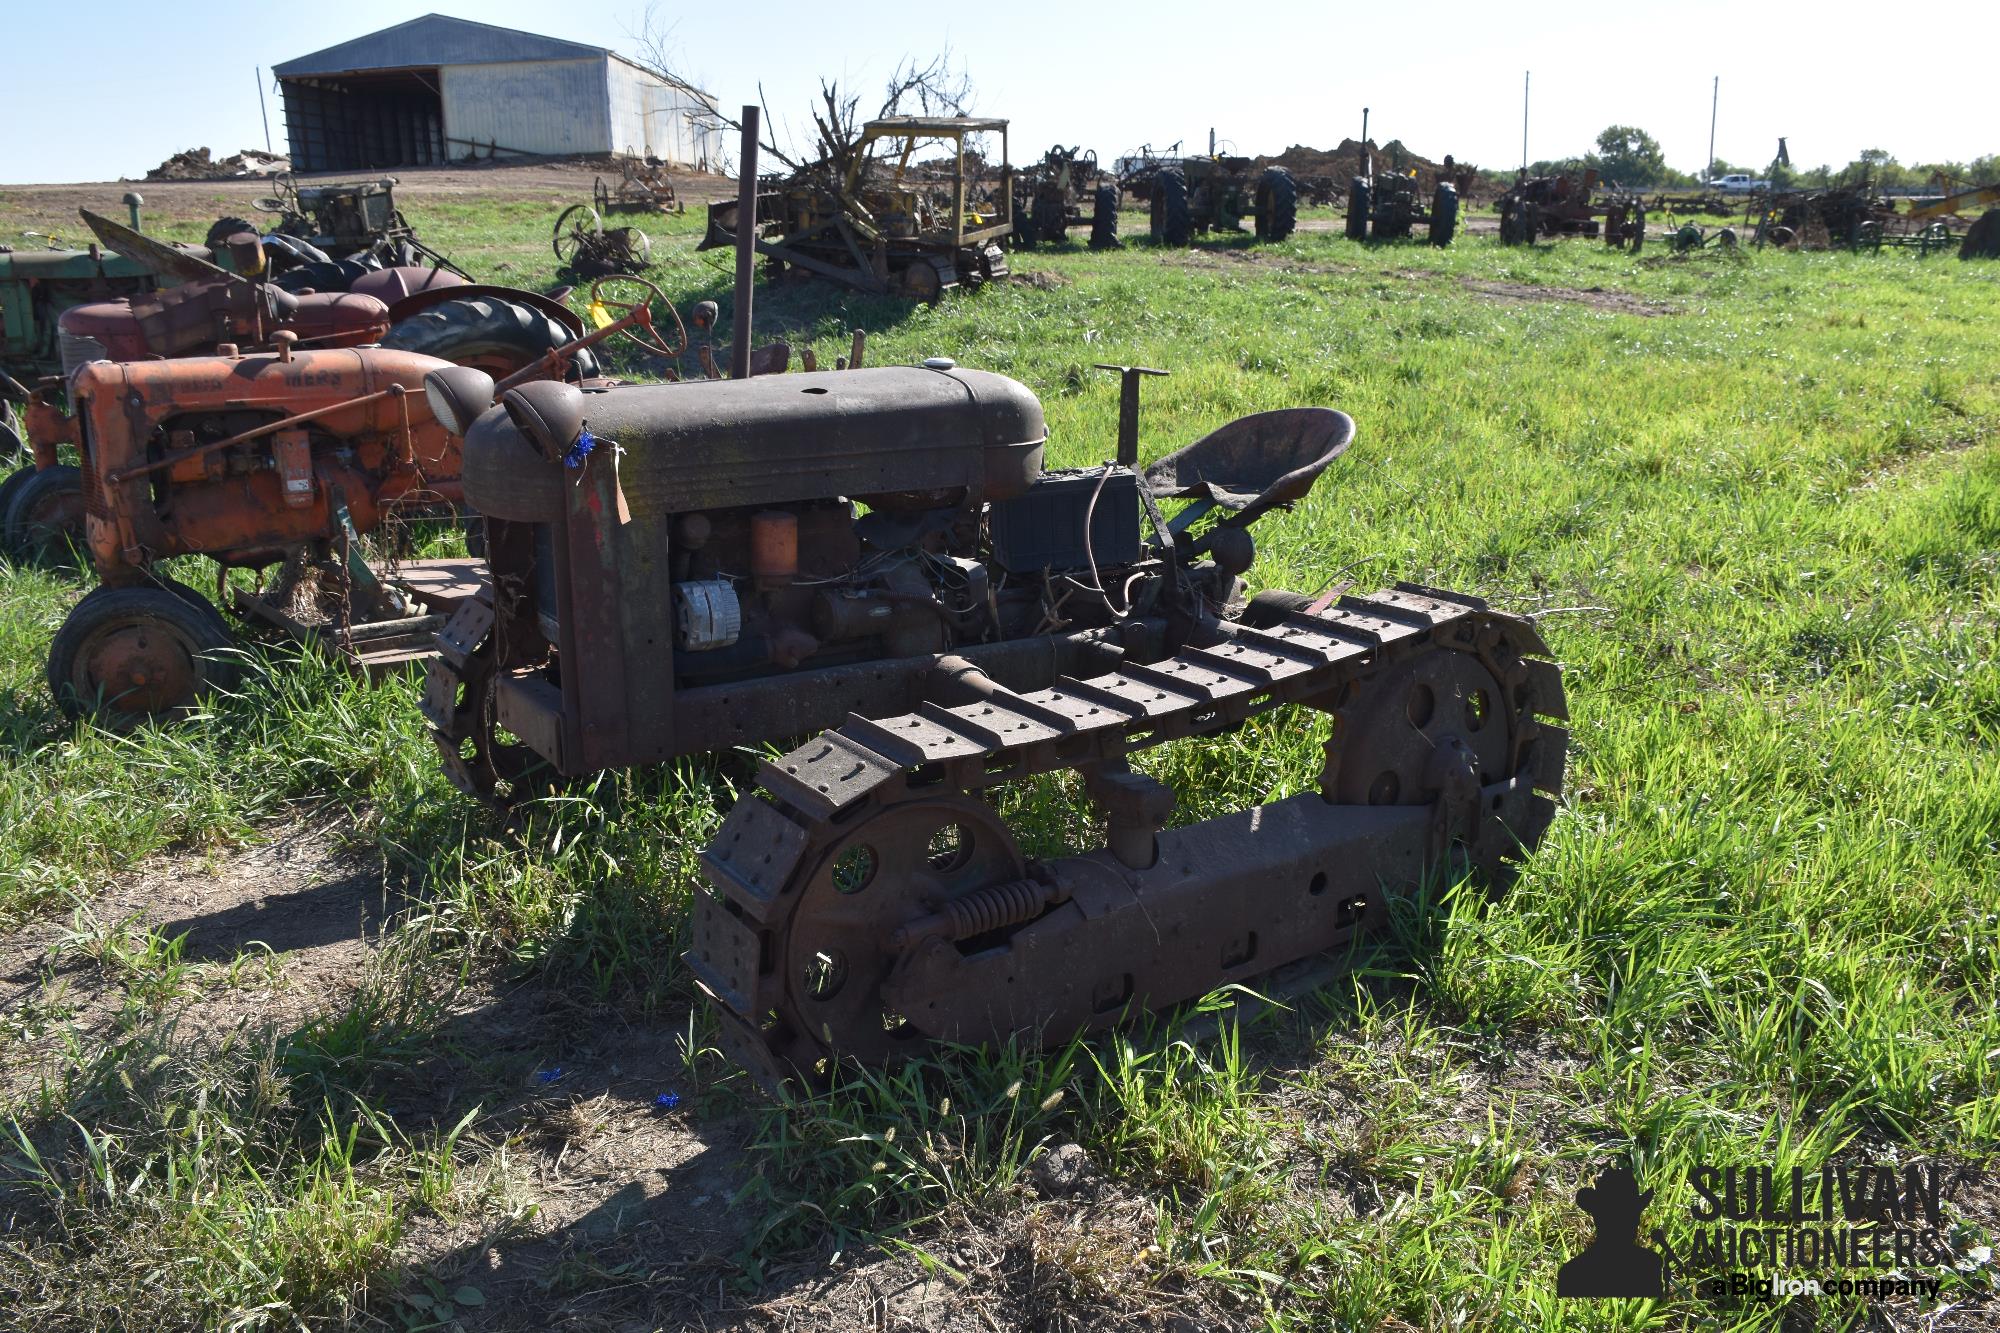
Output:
x,y
1525,76
1714,101
261,110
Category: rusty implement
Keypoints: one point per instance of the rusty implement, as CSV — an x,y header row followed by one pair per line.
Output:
x,y
983,623
868,217
586,248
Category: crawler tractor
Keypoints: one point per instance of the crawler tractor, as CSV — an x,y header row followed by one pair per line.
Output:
x,y
879,556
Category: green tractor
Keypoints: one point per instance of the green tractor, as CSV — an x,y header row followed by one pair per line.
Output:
x,y
1049,199
1388,208
1199,194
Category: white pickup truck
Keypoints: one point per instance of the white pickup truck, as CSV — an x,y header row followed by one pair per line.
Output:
x,y
1738,182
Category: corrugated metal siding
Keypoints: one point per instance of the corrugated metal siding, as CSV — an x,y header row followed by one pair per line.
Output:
x,y
435,40
529,106
651,117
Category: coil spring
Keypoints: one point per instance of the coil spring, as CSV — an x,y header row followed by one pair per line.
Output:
x,y
994,906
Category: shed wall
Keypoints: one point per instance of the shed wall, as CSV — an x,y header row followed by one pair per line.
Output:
x,y
650,116
530,106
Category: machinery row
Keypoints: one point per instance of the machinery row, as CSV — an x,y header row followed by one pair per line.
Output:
x,y
870,565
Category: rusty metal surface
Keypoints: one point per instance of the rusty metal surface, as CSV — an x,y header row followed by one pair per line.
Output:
x,y
864,217
887,863
701,578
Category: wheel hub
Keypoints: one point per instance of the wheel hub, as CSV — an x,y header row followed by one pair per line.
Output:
x,y
141,667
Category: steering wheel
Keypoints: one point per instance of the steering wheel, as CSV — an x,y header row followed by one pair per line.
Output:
x,y
643,309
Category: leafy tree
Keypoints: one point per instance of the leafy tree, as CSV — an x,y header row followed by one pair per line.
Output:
x,y
1630,156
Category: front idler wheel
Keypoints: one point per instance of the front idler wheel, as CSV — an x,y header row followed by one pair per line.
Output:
x,y
130,656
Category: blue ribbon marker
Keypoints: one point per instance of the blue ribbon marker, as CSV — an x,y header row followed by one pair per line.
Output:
x,y
579,451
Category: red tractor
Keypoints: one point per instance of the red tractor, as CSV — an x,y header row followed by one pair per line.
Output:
x,y
284,459
42,506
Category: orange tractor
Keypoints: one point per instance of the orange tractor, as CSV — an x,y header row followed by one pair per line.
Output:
x,y
42,506
283,458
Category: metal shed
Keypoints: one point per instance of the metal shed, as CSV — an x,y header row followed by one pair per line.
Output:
x,y
439,89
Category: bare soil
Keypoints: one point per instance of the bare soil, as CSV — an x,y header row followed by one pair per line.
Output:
x,y
582,1203
52,208
1598,298
274,933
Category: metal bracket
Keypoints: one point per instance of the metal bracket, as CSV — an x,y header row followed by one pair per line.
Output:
x,y
1128,410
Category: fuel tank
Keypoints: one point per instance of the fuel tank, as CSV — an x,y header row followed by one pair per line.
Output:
x,y
891,436
195,318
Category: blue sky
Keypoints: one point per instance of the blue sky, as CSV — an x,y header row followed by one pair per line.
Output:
x,y
1445,76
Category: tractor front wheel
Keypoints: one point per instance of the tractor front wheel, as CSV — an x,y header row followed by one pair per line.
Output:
x,y
43,520
133,655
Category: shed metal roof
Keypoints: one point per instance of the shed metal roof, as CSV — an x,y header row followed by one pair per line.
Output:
x,y
435,39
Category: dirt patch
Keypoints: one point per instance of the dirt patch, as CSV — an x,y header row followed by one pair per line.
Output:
x,y
51,209
269,934
1041,279
1597,298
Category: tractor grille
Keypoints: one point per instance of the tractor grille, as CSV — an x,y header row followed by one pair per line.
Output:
x,y
93,490
78,351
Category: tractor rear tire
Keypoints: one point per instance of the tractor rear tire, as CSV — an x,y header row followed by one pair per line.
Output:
x,y
222,229
159,650
491,334
1047,217
1358,202
1024,228
1104,219
1172,223
1982,239
43,521
1277,205
1444,214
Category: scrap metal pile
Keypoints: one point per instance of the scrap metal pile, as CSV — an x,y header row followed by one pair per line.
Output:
x,y
867,215
1852,217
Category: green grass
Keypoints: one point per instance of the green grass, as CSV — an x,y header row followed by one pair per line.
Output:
x,y
1763,525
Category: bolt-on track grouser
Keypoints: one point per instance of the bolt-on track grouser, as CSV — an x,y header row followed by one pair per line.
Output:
x,y
685,568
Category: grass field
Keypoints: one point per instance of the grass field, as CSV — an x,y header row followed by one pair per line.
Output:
x,y
1755,498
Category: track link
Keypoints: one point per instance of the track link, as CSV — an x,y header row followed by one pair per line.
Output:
x,y
775,852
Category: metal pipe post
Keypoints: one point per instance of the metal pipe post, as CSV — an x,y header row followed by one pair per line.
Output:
x,y
746,245
1714,101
